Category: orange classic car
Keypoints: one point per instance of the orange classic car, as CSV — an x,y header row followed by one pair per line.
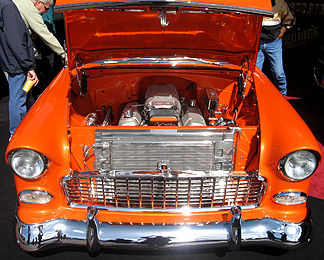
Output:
x,y
161,132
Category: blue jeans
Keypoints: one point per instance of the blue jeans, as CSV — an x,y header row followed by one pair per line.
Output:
x,y
17,100
273,50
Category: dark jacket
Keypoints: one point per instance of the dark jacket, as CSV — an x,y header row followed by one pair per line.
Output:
x,y
16,48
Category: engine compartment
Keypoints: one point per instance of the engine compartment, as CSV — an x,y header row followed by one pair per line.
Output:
x,y
147,99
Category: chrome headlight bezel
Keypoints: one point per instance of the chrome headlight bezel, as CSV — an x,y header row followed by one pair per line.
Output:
x,y
27,163
299,165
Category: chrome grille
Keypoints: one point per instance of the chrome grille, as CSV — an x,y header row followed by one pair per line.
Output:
x,y
182,150
147,191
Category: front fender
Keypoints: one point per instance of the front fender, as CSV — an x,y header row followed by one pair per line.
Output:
x,y
282,129
47,120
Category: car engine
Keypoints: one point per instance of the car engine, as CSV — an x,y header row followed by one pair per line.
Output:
x,y
162,107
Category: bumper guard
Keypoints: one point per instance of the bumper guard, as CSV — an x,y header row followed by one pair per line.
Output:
x,y
94,234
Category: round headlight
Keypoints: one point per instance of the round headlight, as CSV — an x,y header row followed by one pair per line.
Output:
x,y
27,163
299,165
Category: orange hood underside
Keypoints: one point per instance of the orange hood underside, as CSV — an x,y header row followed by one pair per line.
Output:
x,y
135,30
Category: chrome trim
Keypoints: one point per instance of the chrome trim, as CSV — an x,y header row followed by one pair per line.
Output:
x,y
178,210
168,192
291,194
35,192
46,162
163,60
283,160
163,17
163,3
92,231
235,230
59,232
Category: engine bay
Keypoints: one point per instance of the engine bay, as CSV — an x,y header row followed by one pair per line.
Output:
x,y
148,100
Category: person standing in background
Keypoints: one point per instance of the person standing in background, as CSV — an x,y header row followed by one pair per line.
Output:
x,y
16,60
270,46
31,11
47,62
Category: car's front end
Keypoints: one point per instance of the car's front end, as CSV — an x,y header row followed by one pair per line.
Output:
x,y
162,133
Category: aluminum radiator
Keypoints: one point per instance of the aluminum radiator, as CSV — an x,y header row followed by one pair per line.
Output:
x,y
177,150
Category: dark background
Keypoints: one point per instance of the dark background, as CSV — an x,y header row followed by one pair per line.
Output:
x,y
301,51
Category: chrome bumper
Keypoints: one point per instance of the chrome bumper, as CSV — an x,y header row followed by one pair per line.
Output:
x,y
232,234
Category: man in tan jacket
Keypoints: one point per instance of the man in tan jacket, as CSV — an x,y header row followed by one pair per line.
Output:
x,y
31,11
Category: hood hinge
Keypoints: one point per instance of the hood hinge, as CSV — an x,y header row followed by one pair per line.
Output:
x,y
81,76
243,77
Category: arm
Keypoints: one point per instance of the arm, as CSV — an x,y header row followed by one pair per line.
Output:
x,y
37,24
282,32
287,17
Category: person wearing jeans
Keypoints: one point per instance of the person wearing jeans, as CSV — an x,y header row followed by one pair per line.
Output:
x,y
273,50
273,29
16,59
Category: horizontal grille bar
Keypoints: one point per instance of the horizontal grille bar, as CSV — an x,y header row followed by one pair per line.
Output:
x,y
148,191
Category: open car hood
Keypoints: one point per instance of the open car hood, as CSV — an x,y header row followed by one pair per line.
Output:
x,y
212,30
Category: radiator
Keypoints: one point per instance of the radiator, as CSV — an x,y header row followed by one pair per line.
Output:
x,y
178,150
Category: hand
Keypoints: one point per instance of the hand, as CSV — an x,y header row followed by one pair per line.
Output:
x,y
282,32
33,76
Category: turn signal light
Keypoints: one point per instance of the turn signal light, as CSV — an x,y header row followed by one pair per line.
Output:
x,y
35,196
290,198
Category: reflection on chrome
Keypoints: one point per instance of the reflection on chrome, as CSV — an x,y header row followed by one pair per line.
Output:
x,y
232,234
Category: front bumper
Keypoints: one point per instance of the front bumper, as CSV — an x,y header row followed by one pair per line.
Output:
x,y
232,234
